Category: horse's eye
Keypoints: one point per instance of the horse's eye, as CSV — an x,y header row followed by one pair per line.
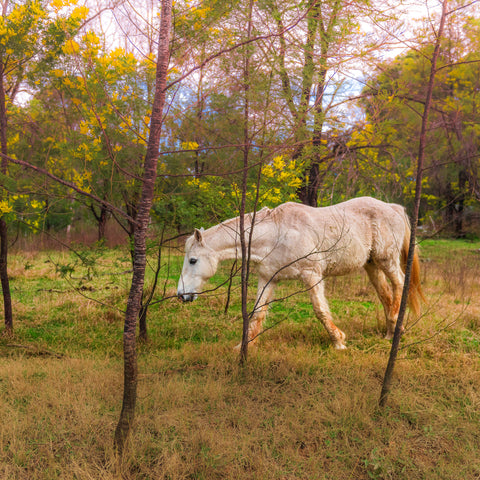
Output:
x,y
193,261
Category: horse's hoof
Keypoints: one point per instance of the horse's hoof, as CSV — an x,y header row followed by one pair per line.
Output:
x,y
251,343
340,346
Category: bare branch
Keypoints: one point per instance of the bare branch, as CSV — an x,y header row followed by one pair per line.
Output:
x,y
68,184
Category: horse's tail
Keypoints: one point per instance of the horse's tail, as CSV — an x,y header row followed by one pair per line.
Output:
x,y
415,294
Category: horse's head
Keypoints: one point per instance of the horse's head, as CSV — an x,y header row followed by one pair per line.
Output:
x,y
199,265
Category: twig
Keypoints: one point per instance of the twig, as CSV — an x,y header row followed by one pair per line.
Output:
x,y
35,350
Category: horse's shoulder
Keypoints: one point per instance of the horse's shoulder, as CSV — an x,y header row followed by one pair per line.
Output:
x,y
291,206
293,215
289,209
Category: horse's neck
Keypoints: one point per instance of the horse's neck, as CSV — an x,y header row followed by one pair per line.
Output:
x,y
224,238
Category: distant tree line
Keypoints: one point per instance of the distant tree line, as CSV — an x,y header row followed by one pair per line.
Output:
x,y
81,110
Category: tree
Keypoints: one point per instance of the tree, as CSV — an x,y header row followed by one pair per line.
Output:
x,y
394,100
108,91
140,234
305,85
386,386
31,39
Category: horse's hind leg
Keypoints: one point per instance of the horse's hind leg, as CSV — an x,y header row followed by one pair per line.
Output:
x,y
384,292
322,311
397,279
389,296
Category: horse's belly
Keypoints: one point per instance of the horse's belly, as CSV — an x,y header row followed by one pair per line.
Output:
x,y
282,272
345,261
341,256
336,270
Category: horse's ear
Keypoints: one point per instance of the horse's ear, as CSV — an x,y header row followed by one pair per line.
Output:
x,y
198,235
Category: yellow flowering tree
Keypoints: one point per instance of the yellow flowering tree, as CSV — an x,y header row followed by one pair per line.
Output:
x,y
208,199
102,102
392,101
281,180
32,34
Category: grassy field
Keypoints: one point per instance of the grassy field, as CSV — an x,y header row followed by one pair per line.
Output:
x,y
297,410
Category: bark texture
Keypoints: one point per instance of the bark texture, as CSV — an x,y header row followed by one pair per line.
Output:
x,y
7,299
142,220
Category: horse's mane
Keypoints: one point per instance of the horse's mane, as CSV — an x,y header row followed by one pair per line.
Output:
x,y
233,223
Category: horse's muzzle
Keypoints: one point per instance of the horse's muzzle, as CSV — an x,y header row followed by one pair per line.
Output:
x,y
187,297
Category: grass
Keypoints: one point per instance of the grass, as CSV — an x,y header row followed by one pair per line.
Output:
x,y
298,410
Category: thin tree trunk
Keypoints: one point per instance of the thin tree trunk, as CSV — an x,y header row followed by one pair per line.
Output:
x,y
101,219
229,287
387,381
143,216
7,299
244,274
142,321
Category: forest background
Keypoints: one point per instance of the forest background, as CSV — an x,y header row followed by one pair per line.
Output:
x,y
334,93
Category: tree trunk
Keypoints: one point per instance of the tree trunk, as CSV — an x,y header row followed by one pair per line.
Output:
x,y
143,216
101,219
324,28
387,381
308,192
460,210
7,299
102,224
244,272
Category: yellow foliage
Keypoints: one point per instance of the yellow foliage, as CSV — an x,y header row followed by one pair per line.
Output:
x,y
5,207
68,82
80,179
189,145
71,47
59,4
84,128
282,179
79,13
35,204
201,12
14,139
278,162
193,182
268,171
91,38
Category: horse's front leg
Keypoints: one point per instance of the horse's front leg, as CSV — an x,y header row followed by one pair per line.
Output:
x,y
265,292
322,311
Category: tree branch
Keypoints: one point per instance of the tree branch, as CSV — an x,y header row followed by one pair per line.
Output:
x,y
68,184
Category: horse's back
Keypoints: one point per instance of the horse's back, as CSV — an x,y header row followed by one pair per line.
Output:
x,y
363,211
343,236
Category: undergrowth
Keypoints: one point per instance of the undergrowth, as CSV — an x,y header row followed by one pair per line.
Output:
x,y
297,410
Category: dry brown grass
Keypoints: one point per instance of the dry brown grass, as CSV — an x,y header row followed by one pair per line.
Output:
x,y
298,410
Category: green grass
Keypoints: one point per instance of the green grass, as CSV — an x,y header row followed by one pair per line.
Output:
x,y
297,410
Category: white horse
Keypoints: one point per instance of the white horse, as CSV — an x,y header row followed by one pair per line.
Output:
x,y
294,241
